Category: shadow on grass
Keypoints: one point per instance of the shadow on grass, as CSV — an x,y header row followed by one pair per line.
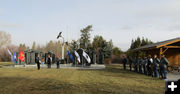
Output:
x,y
118,71
33,85
18,85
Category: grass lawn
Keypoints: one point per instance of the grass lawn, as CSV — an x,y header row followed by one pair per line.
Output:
x,y
71,81
6,64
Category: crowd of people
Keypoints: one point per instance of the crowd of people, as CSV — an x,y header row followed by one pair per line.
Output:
x,y
154,67
40,61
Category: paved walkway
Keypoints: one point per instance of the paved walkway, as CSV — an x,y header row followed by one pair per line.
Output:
x,y
67,66
174,75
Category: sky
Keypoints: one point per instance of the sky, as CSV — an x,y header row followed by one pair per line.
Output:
x,y
119,20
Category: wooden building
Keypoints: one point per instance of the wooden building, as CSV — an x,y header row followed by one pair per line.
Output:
x,y
170,48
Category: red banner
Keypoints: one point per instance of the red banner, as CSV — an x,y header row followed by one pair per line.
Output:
x,y
21,56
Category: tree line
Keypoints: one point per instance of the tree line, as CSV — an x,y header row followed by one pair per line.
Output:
x,y
97,44
137,43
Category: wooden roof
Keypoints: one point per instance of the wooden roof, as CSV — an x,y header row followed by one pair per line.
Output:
x,y
165,44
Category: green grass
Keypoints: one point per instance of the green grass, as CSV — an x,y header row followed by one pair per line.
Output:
x,y
111,80
6,64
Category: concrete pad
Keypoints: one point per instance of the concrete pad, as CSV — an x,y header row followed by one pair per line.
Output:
x,y
174,75
64,66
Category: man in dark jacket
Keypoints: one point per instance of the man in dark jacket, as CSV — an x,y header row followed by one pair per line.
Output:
x,y
140,64
130,63
58,62
144,65
149,66
156,62
124,61
135,65
163,65
49,61
38,61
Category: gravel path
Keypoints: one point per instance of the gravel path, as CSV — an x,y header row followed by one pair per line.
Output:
x,y
174,75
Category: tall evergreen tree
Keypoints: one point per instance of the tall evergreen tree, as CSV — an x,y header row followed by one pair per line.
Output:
x,y
85,37
137,43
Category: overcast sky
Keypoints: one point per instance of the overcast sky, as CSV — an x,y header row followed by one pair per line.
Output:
x,y
119,20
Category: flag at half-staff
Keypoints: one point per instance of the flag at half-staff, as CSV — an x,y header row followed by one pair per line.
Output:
x,y
21,56
77,56
86,56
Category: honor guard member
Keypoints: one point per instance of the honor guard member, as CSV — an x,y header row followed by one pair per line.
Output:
x,y
58,62
124,61
144,64
38,61
140,64
49,61
135,65
163,65
130,63
149,65
156,62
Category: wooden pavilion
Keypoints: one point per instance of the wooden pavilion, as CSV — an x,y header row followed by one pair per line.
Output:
x,y
170,48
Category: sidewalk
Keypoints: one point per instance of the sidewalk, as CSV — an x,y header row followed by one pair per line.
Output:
x,y
174,75
67,66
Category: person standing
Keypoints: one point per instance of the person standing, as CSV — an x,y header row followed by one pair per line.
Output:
x,y
163,65
124,61
140,64
149,65
144,65
130,63
42,62
49,61
58,62
156,62
38,61
135,65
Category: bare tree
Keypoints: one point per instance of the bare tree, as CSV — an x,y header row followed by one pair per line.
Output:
x,y
34,45
5,39
23,47
4,55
